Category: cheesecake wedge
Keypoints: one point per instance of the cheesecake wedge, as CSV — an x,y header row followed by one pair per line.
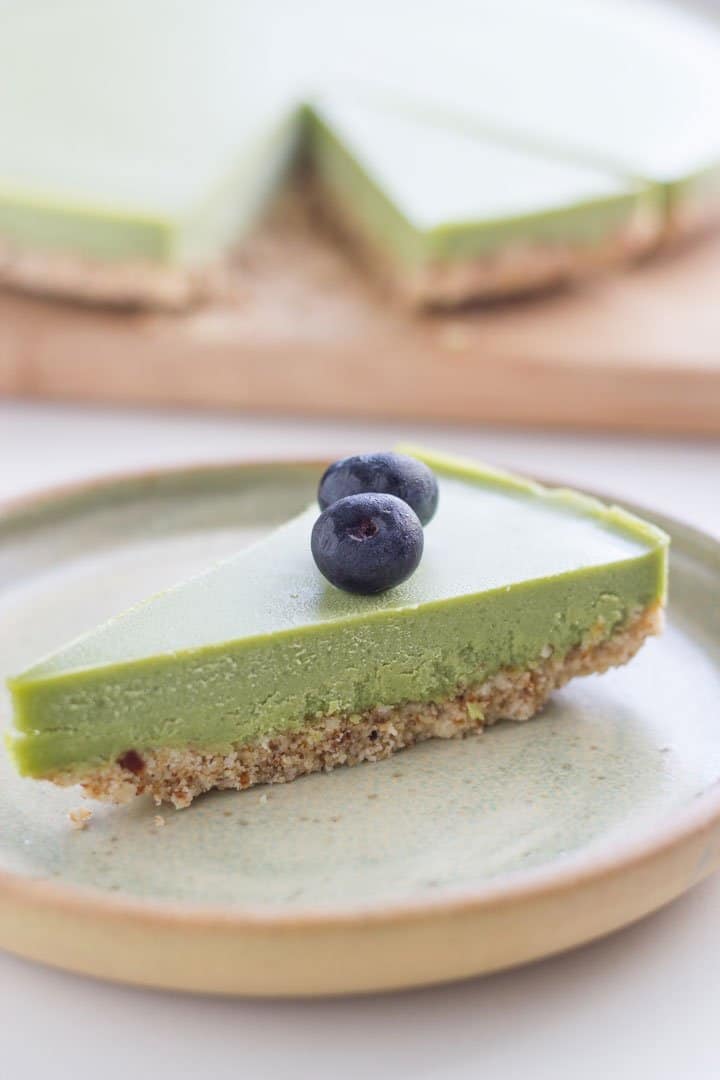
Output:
x,y
259,671
445,215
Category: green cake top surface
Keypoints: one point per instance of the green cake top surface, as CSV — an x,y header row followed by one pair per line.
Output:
x,y
438,174
137,108
492,532
635,86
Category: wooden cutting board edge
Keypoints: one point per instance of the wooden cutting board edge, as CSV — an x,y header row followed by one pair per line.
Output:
x,y
306,333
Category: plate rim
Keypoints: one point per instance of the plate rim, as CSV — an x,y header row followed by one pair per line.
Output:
x,y
556,878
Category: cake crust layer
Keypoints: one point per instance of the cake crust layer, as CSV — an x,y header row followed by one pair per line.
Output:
x,y
178,776
123,284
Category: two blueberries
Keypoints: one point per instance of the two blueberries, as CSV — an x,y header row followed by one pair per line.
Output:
x,y
369,536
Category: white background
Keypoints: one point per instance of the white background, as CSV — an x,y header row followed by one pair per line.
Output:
x,y
642,1004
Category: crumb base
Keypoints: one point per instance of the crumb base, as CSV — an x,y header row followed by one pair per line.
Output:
x,y
132,283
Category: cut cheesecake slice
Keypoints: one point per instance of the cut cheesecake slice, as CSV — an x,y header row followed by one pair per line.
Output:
x,y
449,215
259,671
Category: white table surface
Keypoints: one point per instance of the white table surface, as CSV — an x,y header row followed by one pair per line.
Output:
x,y
641,1004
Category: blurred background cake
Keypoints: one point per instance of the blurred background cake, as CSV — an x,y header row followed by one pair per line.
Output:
x,y
248,188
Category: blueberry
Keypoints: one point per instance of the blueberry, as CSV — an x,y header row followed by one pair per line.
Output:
x,y
367,543
390,474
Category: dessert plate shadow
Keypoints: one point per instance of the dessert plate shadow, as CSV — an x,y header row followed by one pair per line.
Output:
x,y
446,861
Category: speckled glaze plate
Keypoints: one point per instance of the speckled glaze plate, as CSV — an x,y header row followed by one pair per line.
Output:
x,y
445,861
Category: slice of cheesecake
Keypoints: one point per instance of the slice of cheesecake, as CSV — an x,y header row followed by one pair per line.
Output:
x,y
259,671
448,215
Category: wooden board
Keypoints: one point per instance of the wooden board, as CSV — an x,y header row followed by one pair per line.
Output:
x,y
303,329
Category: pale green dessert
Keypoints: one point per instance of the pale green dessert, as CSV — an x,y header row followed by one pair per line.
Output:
x,y
449,215
141,143
258,670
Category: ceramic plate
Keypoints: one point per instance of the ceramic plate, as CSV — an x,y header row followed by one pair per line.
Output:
x,y
445,861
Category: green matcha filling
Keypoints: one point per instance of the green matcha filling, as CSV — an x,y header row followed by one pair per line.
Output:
x,y
342,178
93,232
302,649
255,689
196,232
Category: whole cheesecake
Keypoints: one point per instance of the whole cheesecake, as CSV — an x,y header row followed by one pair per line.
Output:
x,y
259,671
489,149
